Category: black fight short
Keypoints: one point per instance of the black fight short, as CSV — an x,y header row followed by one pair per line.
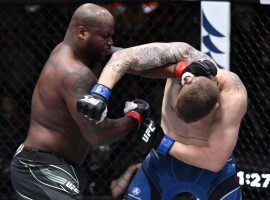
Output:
x,y
37,174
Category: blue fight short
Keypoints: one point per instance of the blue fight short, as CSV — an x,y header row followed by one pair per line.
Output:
x,y
164,177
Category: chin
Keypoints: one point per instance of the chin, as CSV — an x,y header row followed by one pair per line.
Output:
x,y
106,56
99,58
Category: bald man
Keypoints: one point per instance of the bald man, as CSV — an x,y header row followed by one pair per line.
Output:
x,y
46,165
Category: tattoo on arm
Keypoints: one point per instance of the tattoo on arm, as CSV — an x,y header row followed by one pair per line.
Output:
x,y
145,57
197,55
159,54
239,86
76,84
120,63
153,55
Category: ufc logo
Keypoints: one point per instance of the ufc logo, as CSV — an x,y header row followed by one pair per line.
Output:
x,y
72,187
90,100
147,133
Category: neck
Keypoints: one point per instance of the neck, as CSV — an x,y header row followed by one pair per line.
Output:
x,y
77,50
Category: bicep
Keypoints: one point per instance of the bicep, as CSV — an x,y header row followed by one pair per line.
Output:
x,y
233,99
232,107
222,142
75,85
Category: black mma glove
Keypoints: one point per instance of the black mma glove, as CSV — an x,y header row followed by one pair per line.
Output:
x,y
201,68
94,105
138,109
151,134
197,68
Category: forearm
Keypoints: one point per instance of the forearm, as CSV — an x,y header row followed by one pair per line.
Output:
x,y
202,157
108,131
211,157
145,57
165,72
113,50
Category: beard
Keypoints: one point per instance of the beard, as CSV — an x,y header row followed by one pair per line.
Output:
x,y
94,53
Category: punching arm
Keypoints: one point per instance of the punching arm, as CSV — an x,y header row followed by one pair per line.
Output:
x,y
75,84
145,57
140,59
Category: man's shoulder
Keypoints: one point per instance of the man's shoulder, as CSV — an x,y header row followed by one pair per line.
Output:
x,y
64,65
224,73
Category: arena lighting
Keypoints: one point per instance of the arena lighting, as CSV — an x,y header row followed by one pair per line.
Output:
x,y
149,7
32,8
146,7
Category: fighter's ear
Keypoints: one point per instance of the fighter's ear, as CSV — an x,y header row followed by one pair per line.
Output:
x,y
82,32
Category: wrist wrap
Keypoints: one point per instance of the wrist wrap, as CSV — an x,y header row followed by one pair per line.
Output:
x,y
134,115
101,90
165,145
178,70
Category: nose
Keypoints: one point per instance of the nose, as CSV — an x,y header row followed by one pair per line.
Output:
x,y
110,41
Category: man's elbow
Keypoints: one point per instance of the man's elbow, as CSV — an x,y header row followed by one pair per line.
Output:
x,y
217,165
216,168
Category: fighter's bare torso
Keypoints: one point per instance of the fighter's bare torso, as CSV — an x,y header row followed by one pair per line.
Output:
x,y
51,126
196,133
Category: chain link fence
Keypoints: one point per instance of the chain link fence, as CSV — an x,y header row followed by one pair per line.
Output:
x,y
30,32
250,50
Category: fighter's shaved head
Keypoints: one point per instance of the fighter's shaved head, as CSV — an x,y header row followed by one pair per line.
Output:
x,y
90,31
91,16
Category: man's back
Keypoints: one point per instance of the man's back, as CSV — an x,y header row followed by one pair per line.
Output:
x,y
51,120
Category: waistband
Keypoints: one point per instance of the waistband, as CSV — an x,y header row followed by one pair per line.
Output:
x,y
38,155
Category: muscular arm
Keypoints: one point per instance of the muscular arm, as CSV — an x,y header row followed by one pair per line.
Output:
x,y
166,71
76,84
113,50
224,135
144,57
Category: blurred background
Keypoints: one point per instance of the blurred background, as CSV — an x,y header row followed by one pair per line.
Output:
x,y
29,31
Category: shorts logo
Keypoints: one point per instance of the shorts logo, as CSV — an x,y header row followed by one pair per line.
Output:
x,y
72,187
136,191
